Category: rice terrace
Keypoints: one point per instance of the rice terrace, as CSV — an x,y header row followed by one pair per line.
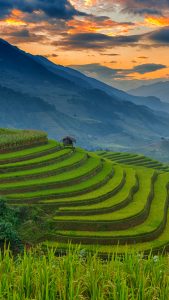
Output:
x,y
80,224
84,150
102,199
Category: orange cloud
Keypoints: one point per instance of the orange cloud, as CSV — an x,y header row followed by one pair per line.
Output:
x,y
80,4
16,13
90,2
15,18
157,21
90,25
14,22
95,25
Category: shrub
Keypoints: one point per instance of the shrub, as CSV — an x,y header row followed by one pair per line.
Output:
x,y
8,224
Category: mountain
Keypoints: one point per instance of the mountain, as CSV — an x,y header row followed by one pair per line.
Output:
x,y
63,101
159,89
20,110
84,81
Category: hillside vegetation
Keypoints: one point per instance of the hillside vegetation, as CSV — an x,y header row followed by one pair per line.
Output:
x,y
67,194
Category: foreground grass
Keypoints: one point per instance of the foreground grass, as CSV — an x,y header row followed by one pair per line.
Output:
x,y
81,276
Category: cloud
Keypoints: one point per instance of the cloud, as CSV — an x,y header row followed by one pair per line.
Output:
x,y
143,57
82,41
107,74
96,68
144,7
93,23
146,68
61,9
160,36
159,21
24,36
100,42
110,54
51,55
140,7
76,30
136,7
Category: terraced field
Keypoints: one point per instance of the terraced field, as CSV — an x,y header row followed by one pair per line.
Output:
x,y
134,160
87,199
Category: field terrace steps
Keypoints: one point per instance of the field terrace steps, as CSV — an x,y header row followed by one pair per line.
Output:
x,y
70,163
135,206
157,245
134,213
27,154
120,195
108,199
48,191
37,162
133,159
150,229
86,171
109,188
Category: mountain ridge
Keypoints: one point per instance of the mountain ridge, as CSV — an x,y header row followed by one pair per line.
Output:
x,y
160,89
95,113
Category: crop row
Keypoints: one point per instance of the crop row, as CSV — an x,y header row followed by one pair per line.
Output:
x,y
11,140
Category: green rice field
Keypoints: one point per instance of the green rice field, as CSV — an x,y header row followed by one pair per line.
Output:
x,y
104,199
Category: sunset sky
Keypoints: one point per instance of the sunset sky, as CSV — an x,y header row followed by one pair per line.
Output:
x,y
123,42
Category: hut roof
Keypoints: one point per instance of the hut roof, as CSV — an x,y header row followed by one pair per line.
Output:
x,y
70,139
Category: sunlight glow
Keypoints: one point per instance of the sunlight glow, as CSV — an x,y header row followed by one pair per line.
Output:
x,y
90,2
14,22
158,21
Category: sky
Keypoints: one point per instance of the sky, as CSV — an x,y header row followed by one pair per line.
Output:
x,y
124,43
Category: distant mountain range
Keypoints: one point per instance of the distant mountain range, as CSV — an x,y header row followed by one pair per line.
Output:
x,y
159,89
35,93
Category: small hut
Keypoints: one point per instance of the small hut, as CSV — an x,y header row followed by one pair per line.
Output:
x,y
68,141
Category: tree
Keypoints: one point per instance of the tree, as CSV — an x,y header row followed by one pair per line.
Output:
x,y
8,224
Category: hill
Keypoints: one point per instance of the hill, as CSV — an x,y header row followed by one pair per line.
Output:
x,y
152,102
69,194
159,89
63,101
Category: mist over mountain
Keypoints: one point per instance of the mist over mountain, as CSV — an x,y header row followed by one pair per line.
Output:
x,y
35,93
159,89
